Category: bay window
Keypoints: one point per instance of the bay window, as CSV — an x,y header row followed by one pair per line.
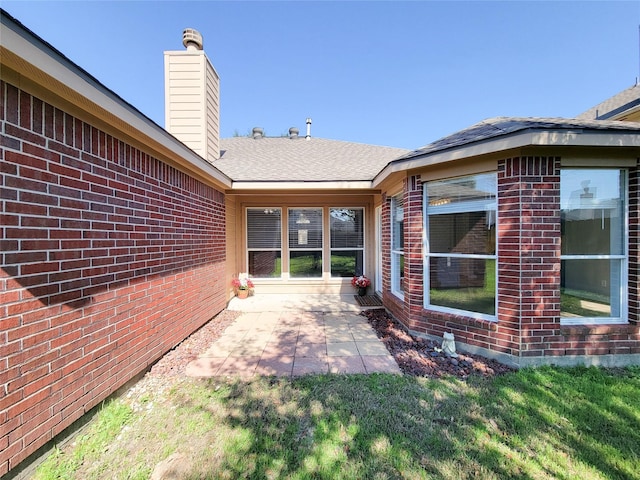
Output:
x,y
397,245
593,245
460,253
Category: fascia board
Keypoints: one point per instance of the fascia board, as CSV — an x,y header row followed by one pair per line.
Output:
x,y
356,185
67,74
453,154
565,138
592,138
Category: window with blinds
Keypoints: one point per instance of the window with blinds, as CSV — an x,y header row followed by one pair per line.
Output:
x,y
305,242
264,242
347,241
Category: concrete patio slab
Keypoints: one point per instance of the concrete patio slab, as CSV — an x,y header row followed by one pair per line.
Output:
x,y
241,366
289,336
380,364
204,367
281,366
315,350
296,302
340,337
359,336
307,365
279,349
346,365
342,349
311,336
371,348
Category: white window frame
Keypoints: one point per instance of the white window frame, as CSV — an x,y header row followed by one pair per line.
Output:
x,y
458,207
624,263
248,249
396,254
301,249
348,249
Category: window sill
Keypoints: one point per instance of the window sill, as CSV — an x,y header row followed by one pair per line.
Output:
x,y
568,322
461,317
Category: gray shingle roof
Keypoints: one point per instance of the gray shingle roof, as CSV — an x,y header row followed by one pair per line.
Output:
x,y
503,126
282,159
617,104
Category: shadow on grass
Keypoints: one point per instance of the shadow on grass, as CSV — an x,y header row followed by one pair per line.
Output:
x,y
546,423
571,423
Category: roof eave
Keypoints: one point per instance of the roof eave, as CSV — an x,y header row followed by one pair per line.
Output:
x,y
531,137
36,60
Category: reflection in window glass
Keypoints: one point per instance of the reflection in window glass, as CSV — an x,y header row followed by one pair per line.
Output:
x,y
305,264
461,244
264,242
265,264
467,232
397,245
593,243
463,283
305,242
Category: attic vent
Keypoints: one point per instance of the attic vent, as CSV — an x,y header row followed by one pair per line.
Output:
x,y
293,132
257,132
191,39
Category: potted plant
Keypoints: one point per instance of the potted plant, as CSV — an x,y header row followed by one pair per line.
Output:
x,y
242,285
361,283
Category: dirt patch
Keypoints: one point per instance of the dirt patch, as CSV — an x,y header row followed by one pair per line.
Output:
x,y
420,357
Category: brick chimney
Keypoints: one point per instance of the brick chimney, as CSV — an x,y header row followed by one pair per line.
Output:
x,y
192,97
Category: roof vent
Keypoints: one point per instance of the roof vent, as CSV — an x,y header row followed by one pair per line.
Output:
x,y
293,132
257,132
308,136
191,39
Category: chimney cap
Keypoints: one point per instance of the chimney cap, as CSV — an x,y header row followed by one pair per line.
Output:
x,y
192,39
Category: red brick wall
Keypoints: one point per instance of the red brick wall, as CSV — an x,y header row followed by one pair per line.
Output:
x,y
413,255
529,251
594,340
391,301
109,259
634,251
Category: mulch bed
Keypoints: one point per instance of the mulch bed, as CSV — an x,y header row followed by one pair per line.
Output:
x,y
419,357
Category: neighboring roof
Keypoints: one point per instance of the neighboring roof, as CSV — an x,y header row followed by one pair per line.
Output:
x,y
614,107
284,159
504,133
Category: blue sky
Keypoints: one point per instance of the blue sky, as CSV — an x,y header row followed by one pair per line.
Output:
x,y
396,73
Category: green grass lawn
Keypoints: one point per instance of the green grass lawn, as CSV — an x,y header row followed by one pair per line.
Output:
x,y
536,423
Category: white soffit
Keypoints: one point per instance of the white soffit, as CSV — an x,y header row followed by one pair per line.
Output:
x,y
359,185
